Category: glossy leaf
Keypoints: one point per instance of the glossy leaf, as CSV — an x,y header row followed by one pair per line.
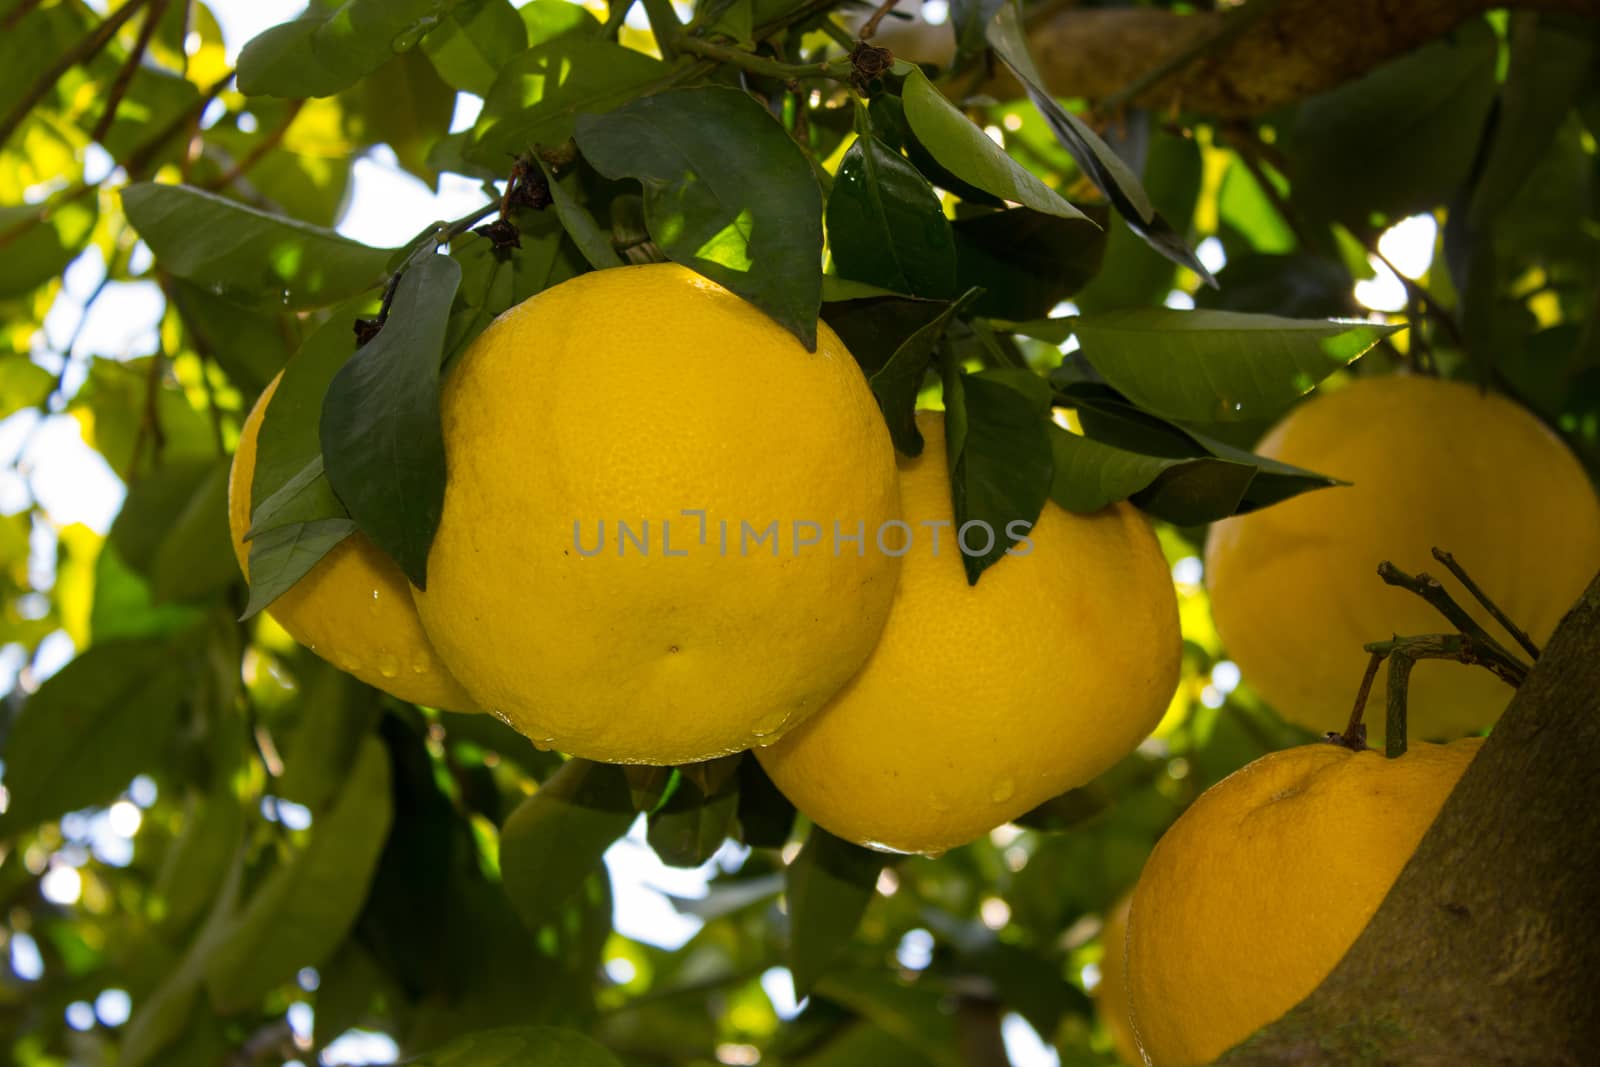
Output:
x,y
556,838
248,256
304,908
319,54
897,382
592,241
1090,474
281,556
537,98
1025,261
42,249
886,226
474,43
727,194
382,438
106,717
830,884
1218,366
967,152
997,446
1102,165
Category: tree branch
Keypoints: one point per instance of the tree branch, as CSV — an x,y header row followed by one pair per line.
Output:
x,y
1486,948
85,50
1295,50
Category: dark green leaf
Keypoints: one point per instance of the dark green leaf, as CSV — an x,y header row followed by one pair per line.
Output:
x,y
537,98
104,718
319,54
967,152
522,1046
1218,366
897,382
1026,262
194,869
1400,139
556,838
766,816
886,226
404,104
334,714
1299,285
997,445
304,908
913,1014
151,506
43,249
592,241
830,884
196,558
727,194
1103,166
688,829
971,19
249,347
1090,474
245,255
1131,273
382,438
475,42
281,556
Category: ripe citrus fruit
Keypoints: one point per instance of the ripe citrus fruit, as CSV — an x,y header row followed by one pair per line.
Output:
x,y
639,559
1111,995
1257,891
354,607
1294,588
980,702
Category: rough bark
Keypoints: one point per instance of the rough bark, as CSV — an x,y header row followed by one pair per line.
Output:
x,y
1487,949
1293,50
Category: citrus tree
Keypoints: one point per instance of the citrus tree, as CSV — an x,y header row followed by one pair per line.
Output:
x,y
1058,276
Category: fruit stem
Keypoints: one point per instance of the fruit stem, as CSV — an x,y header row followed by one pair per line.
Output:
x,y
1355,733
1495,655
1399,685
1522,638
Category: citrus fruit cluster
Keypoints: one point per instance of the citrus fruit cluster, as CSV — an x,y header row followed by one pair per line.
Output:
x,y
670,532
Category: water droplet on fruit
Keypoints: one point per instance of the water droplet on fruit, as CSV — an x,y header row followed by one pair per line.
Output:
x,y
389,665
420,663
543,744
1002,791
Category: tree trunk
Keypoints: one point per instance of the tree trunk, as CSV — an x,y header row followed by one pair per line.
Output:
x,y
1487,948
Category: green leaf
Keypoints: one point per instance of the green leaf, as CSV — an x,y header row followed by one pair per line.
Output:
x,y
1400,139
249,347
404,104
382,438
698,816
897,382
830,884
592,241
1218,366
333,717
886,226
248,256
968,153
727,193
195,867
305,907
1094,157
915,1015
1090,475
23,384
766,816
557,837
1552,58
105,717
997,445
196,559
548,19
538,96
42,250
521,1046
281,556
1026,262
317,55
1131,273
475,42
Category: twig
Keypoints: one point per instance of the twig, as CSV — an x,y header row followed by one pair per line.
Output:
x,y
665,26
1436,311
1398,692
1233,26
1355,732
870,27
615,17
1496,656
119,88
838,69
86,48
1403,654
260,150
72,342
150,419
1490,606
